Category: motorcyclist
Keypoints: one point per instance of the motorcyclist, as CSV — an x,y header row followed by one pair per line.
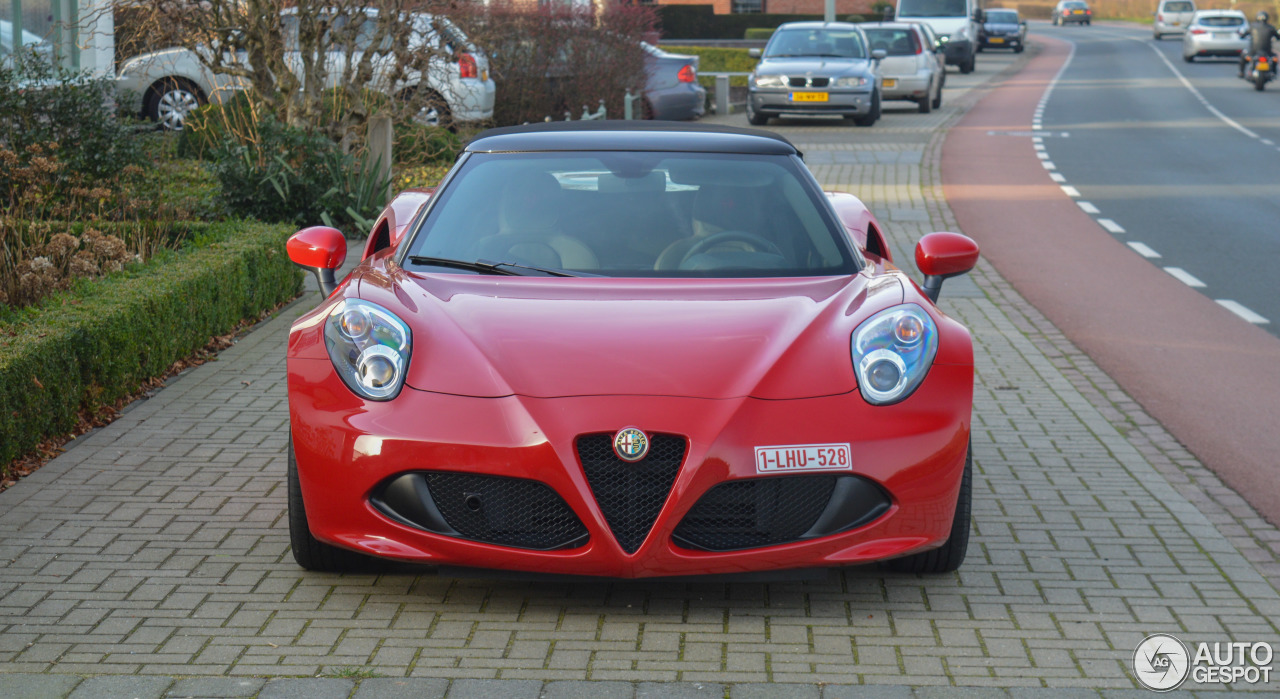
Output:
x,y
1261,32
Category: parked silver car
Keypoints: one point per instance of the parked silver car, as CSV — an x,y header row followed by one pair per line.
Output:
x,y
1215,33
816,68
1172,17
166,85
671,89
909,71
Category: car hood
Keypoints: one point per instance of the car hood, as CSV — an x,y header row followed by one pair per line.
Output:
x,y
489,336
816,66
1000,27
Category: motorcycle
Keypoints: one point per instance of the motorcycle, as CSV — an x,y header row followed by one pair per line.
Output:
x,y
1262,70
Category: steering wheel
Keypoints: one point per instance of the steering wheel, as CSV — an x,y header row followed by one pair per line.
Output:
x,y
760,244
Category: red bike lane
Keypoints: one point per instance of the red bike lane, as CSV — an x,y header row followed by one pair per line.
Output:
x,y
1212,379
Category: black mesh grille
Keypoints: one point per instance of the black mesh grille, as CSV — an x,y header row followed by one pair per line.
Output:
x,y
755,512
819,82
631,495
797,82
506,511
808,82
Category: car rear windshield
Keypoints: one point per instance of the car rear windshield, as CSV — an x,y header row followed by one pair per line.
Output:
x,y
1179,7
636,214
1002,17
1221,21
830,43
897,42
1075,5
932,8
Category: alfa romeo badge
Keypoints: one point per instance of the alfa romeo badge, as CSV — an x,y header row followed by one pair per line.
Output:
x,y
630,444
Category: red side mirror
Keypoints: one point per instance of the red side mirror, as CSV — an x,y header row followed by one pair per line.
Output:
x,y
320,249
943,255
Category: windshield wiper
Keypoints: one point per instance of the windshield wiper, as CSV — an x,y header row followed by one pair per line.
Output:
x,y
491,267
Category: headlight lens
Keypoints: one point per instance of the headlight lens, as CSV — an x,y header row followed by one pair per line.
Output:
x,y
768,81
851,81
369,347
892,352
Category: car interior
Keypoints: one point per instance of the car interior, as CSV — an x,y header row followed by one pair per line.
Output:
x,y
679,217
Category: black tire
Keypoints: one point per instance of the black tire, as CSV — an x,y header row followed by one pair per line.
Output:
x,y
1189,59
871,117
1260,84
1018,48
949,556
1157,37
968,66
925,104
937,101
754,118
435,109
169,100
309,552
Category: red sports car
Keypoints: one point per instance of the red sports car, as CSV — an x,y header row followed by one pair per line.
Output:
x,y
629,350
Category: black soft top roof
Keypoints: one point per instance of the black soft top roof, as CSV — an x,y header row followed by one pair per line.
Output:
x,y
630,136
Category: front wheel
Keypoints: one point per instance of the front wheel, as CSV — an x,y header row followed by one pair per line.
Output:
x,y
170,100
925,104
949,556
968,66
755,118
309,552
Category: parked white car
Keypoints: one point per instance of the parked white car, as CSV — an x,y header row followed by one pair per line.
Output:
x,y
910,68
166,85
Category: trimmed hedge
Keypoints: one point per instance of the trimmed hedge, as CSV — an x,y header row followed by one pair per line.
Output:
x,y
98,342
718,59
759,33
701,22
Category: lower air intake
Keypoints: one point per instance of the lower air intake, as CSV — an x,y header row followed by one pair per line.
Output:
x,y
631,494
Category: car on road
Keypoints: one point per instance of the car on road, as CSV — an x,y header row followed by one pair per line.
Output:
x,y
910,69
1215,33
815,68
956,22
671,90
1003,29
1072,12
166,85
1172,17
629,349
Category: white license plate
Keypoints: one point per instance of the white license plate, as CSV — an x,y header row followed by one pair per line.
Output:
x,y
803,457
1222,35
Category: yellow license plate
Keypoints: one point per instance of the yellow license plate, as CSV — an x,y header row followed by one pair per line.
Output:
x,y
997,40
1077,12
890,82
808,97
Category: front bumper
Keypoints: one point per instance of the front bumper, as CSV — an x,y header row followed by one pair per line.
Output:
x,y
348,450
959,52
777,101
475,99
1011,41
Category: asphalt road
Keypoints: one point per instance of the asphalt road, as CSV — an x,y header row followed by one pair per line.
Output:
x,y
1180,158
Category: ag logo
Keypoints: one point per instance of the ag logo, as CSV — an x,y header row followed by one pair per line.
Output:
x,y
630,444
1161,662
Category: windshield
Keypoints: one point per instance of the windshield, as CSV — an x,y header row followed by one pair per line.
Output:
x,y
1002,17
1179,7
833,43
1221,21
632,214
895,42
932,8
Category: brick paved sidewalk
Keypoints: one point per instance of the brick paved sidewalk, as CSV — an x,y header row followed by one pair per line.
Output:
x,y
157,548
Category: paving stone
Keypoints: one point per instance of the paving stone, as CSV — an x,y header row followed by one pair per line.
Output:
x,y
773,691
494,689
679,690
23,685
215,688
402,688
121,687
307,688
578,689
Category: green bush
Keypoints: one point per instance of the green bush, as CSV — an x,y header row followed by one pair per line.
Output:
x,y
98,342
880,7
290,175
759,33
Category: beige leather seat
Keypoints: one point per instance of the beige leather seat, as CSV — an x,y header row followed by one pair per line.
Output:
x,y
716,209
530,230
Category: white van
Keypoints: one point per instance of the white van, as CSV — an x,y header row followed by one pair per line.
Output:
x,y
1172,17
956,22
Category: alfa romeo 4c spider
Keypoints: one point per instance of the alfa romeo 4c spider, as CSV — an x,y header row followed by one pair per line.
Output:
x,y
629,350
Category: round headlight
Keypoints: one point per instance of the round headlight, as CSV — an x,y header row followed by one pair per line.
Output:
x,y
892,352
354,323
369,347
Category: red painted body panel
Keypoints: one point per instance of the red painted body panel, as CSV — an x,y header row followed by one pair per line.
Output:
x,y
395,218
507,371
861,224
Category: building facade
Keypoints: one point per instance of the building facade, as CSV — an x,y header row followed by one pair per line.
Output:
x,y
78,35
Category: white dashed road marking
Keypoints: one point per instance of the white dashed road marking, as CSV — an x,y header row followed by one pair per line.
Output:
x,y
1070,191
1184,276
1242,312
1088,208
1111,226
1145,250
